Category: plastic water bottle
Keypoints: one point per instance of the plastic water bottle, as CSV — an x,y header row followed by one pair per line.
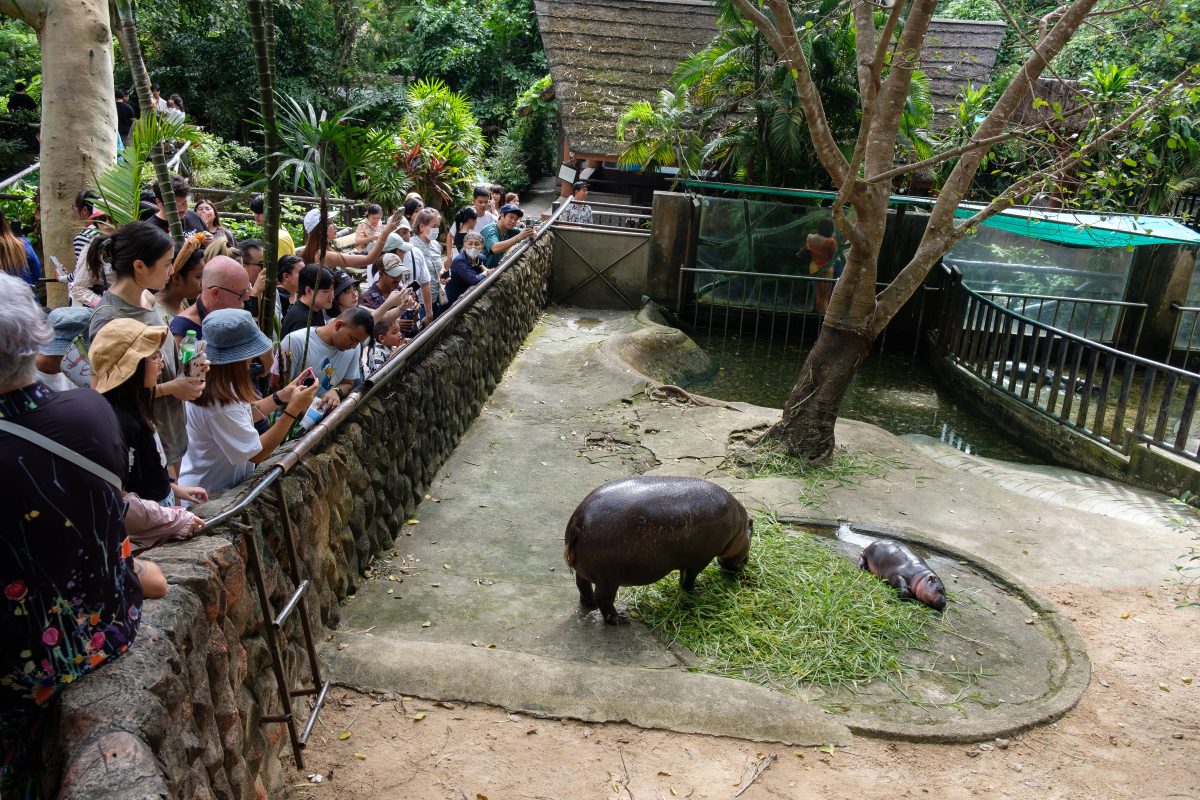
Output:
x,y
311,418
187,351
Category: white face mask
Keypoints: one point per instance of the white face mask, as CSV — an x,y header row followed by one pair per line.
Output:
x,y
433,233
473,252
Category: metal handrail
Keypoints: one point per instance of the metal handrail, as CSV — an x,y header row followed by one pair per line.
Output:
x,y
1081,378
297,197
11,179
621,206
1062,299
1083,340
173,164
1180,310
317,434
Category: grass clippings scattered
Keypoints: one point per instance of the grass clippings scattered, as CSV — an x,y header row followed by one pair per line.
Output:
x,y
799,613
769,459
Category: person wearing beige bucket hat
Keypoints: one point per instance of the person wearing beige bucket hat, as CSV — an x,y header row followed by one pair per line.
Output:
x,y
127,358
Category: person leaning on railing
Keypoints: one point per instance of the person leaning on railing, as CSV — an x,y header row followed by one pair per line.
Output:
x,y
126,359
223,445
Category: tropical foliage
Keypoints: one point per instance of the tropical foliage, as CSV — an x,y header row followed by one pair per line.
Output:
x,y
216,163
1146,170
528,148
20,60
733,106
120,186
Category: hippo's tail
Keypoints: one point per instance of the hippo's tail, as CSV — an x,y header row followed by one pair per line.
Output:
x,y
574,529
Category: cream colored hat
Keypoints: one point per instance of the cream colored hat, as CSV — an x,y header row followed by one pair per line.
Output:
x,y
119,347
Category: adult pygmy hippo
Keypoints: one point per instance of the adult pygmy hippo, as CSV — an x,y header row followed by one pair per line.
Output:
x,y
634,531
906,571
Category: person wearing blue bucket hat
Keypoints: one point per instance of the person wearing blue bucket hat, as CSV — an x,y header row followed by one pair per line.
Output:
x,y
61,363
223,445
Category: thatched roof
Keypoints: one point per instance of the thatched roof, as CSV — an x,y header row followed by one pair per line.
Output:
x,y
958,52
606,54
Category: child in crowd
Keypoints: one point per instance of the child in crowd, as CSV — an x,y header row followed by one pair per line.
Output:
x,y
127,358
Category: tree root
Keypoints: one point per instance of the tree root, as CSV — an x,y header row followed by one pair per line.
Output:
x,y
669,393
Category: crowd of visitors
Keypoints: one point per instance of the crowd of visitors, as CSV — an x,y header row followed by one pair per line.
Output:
x,y
157,386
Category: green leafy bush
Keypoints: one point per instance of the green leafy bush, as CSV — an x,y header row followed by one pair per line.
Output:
x,y
218,164
506,164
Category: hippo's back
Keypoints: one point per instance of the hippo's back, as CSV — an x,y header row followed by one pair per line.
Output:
x,y
641,528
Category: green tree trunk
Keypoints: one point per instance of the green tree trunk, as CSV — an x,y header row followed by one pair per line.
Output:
x,y
263,33
127,33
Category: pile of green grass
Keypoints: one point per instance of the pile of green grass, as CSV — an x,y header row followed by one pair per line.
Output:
x,y
768,459
799,613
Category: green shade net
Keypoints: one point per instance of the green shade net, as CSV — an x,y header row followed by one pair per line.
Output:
x,y
1087,230
1062,227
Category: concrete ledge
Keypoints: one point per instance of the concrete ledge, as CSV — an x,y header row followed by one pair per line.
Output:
x,y
1064,689
548,687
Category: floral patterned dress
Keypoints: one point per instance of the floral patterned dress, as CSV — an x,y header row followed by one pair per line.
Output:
x,y
72,601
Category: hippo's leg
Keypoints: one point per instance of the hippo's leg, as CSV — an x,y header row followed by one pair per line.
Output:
x,y
605,597
902,587
687,579
585,591
862,562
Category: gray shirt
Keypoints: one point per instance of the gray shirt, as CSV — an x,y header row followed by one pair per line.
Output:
x,y
168,411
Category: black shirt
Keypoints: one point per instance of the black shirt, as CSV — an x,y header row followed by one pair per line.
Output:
x,y
297,318
191,223
146,471
73,599
124,118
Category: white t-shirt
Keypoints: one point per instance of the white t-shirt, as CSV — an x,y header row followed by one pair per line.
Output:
x,y
221,442
56,381
331,365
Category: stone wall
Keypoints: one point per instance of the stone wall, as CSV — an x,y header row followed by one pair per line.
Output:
x,y
178,715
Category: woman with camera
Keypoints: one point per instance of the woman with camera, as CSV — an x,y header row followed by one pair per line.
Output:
x,y
223,446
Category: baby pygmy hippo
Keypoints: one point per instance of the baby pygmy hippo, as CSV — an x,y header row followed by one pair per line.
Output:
x,y
906,571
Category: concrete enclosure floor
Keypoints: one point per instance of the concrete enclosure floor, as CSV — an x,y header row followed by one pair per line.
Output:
x,y
475,603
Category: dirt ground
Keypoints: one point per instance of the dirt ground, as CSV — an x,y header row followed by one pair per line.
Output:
x,y
1134,734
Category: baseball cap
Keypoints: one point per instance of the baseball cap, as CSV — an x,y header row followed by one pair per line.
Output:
x,y
511,209
393,265
342,281
577,185
311,219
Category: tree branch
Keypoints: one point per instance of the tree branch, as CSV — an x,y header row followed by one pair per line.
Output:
x,y
947,155
1006,198
894,90
786,44
864,45
956,186
31,12
937,240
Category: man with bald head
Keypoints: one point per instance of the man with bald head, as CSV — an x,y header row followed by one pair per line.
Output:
x,y
225,284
